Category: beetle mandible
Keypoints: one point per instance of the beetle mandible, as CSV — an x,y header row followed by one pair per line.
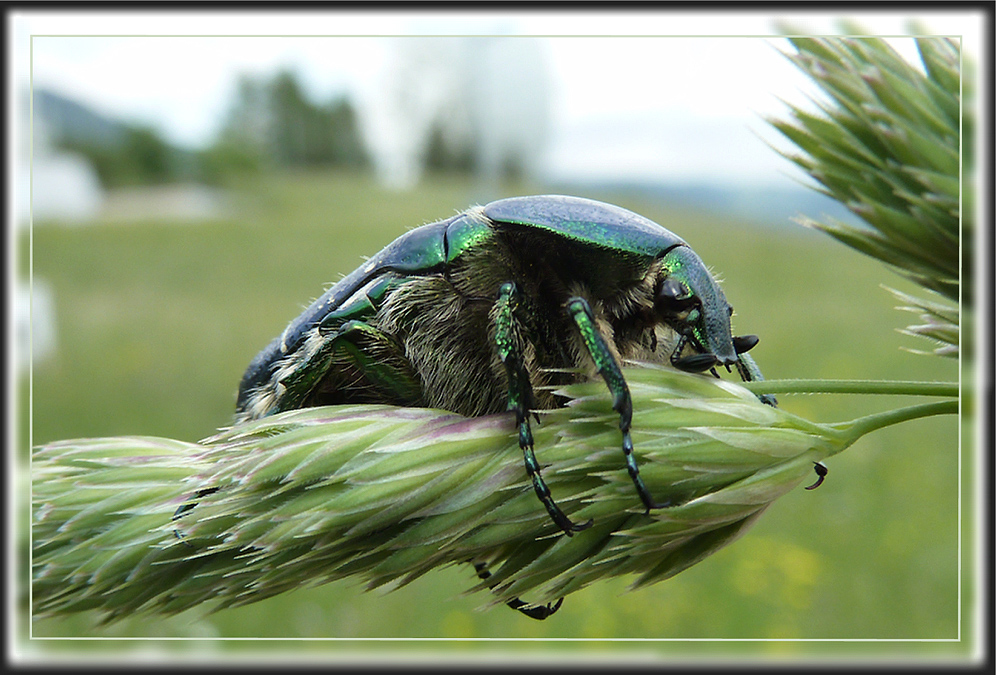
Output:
x,y
482,312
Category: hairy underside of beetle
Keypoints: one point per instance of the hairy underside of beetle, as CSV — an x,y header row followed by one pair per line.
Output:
x,y
442,333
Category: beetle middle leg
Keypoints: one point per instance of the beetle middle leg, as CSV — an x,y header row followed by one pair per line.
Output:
x,y
520,397
694,363
608,368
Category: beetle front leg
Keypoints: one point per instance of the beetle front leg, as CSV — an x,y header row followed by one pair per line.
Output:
x,y
695,363
295,385
608,368
520,397
382,361
374,354
747,368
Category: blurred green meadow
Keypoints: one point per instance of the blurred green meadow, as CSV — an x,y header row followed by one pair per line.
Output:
x,y
157,320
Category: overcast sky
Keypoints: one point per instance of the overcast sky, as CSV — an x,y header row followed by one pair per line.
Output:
x,y
689,105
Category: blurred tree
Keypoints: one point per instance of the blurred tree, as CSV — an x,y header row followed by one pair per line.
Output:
x,y
149,155
347,145
272,123
298,135
138,156
240,147
444,154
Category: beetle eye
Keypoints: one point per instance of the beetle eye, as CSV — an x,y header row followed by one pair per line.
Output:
x,y
672,295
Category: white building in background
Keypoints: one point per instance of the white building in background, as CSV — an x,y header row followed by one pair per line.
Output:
x,y
65,188
53,185
34,323
490,95
49,186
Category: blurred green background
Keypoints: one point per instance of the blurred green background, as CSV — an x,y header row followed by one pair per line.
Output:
x,y
157,320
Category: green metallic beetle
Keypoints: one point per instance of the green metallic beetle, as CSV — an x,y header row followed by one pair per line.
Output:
x,y
484,311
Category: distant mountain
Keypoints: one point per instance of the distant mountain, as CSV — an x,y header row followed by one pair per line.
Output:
x,y
67,121
122,153
774,206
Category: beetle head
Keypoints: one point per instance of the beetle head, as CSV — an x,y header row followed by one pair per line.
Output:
x,y
690,301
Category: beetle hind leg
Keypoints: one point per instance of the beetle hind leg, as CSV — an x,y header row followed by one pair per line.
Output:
x,y
608,368
520,398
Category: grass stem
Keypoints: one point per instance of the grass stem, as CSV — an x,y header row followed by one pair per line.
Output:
x,y
819,386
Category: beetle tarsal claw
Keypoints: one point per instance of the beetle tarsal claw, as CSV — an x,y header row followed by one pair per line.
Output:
x,y
538,612
821,472
579,527
654,505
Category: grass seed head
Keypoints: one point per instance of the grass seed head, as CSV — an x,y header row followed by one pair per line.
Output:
x,y
893,143
388,494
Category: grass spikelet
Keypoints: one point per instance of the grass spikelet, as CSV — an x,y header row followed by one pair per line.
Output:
x,y
893,143
388,494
